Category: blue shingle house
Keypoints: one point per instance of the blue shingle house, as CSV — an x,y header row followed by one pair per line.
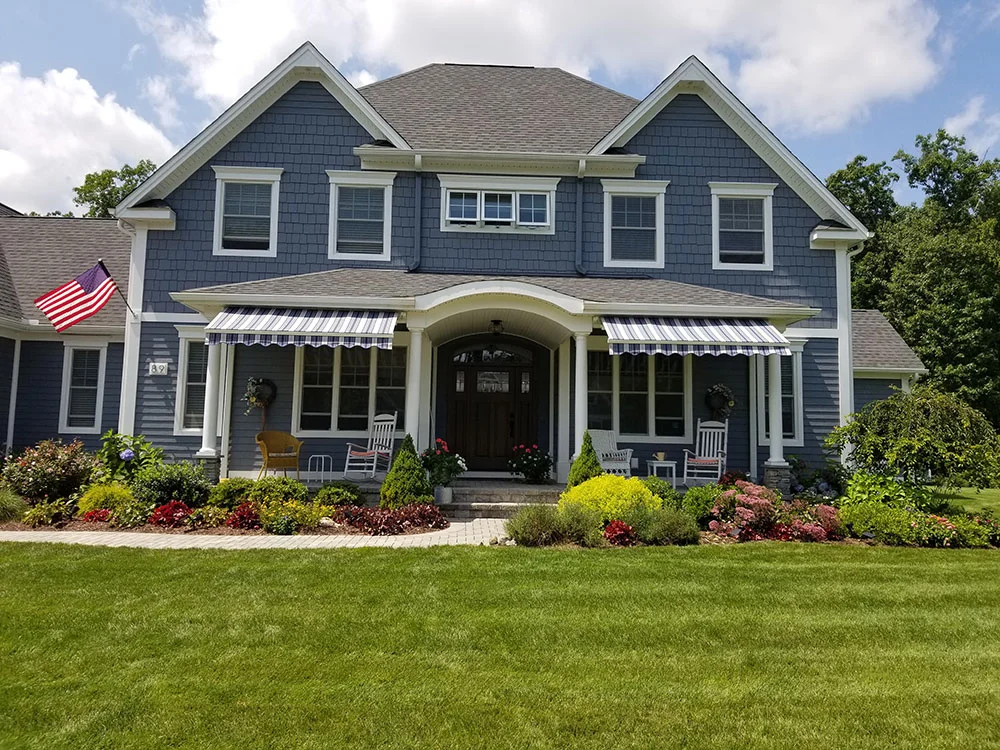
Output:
x,y
501,255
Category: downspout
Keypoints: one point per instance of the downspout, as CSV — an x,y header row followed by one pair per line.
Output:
x,y
579,221
12,405
417,219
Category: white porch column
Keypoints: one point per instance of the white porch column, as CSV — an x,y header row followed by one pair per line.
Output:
x,y
414,358
777,457
563,409
580,412
210,419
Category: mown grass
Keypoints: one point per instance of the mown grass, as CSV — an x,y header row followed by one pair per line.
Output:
x,y
974,500
763,645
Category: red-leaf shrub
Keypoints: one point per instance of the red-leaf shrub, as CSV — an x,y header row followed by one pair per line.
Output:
x,y
620,534
244,517
98,515
731,477
171,515
387,522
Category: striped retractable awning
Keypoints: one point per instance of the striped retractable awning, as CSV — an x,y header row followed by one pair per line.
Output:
x,y
648,335
284,326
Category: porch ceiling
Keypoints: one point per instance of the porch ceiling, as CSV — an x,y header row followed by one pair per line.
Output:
x,y
515,323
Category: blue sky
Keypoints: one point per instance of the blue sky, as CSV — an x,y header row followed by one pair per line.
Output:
x,y
832,80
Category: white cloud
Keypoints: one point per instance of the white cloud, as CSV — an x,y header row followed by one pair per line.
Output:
x,y
57,128
134,51
360,78
157,90
809,67
980,128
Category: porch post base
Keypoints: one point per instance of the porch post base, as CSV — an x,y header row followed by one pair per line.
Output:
x,y
213,467
778,476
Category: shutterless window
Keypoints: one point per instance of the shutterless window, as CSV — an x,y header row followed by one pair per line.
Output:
x,y
317,388
599,391
633,227
533,209
195,378
246,216
355,375
633,394
360,220
463,206
669,395
741,230
787,399
498,208
390,382
85,371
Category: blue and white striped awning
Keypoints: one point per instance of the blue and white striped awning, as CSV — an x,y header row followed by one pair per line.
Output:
x,y
284,326
649,335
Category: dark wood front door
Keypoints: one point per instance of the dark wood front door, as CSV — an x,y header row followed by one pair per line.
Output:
x,y
491,404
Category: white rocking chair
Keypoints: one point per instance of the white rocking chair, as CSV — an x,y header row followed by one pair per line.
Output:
x,y
708,460
613,460
381,438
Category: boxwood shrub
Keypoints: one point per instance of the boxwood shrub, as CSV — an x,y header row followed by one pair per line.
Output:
x,y
110,497
158,485
230,493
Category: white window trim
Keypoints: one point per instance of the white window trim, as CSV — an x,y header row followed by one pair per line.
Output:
x,y
797,441
595,344
763,190
643,188
266,175
68,349
400,340
355,178
185,335
480,184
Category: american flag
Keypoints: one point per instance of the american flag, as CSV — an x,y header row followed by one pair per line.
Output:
x,y
78,299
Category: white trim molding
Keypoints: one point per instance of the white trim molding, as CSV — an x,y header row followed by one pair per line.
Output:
x,y
69,349
12,403
845,346
133,332
642,188
516,187
186,335
758,190
798,438
693,77
246,175
355,178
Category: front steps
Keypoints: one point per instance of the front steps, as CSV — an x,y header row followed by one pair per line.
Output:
x,y
486,499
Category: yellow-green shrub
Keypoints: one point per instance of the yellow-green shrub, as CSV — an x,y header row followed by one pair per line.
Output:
x,y
612,495
305,514
111,497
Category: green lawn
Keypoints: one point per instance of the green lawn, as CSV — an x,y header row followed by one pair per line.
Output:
x,y
972,499
764,645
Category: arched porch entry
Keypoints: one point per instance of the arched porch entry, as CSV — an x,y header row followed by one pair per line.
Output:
x,y
493,393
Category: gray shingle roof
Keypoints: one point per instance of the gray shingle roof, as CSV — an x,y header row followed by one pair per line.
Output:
x,y
498,108
877,346
8,211
40,253
395,284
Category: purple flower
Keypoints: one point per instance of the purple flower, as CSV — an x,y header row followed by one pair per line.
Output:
x,y
127,455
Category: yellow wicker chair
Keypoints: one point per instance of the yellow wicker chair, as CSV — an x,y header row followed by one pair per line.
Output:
x,y
280,451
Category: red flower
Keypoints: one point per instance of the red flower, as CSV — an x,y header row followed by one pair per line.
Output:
x,y
438,452
535,446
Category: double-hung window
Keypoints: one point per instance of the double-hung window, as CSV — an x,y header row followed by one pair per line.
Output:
x,y
192,379
360,215
633,223
340,390
246,211
742,233
82,389
644,398
497,204
791,399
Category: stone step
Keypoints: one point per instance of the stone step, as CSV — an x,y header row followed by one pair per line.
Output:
x,y
461,511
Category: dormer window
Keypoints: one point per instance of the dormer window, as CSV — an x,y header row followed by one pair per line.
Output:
x,y
246,211
742,235
497,204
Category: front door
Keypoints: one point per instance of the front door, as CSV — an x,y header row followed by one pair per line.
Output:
x,y
492,404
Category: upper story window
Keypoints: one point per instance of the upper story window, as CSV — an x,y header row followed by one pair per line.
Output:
x,y
246,211
82,389
360,215
633,223
497,204
742,235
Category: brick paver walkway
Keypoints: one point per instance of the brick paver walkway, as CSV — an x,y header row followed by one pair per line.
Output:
x,y
473,531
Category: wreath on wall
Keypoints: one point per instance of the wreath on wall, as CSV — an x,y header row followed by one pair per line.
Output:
x,y
720,400
260,394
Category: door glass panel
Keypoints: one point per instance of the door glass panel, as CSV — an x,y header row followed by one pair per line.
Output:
x,y
460,381
506,354
489,381
525,382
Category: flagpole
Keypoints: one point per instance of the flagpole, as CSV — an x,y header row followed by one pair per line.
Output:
x,y
100,262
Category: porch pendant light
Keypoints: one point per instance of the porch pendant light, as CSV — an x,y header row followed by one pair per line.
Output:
x,y
496,327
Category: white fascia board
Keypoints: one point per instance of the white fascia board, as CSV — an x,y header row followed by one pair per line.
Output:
x,y
209,305
490,182
872,373
305,64
693,77
781,316
500,162
161,217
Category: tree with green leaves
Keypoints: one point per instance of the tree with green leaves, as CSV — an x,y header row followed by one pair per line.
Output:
x,y
102,191
586,465
406,482
866,189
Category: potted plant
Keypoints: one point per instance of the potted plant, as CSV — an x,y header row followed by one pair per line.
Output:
x,y
531,462
442,467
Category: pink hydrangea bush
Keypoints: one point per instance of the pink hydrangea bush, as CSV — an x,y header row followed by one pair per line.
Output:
x,y
749,512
